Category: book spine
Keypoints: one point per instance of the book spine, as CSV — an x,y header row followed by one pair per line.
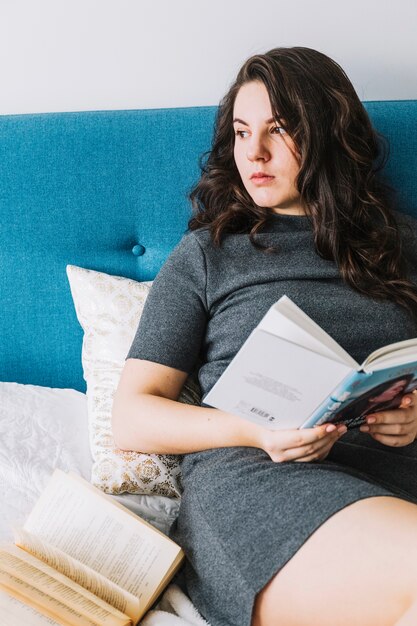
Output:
x,y
331,404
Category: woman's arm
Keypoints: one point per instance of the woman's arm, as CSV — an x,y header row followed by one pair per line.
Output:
x,y
148,418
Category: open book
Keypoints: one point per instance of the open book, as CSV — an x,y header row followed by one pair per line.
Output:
x,y
83,559
290,373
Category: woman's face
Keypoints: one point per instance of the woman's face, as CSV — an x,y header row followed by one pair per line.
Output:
x,y
262,146
391,392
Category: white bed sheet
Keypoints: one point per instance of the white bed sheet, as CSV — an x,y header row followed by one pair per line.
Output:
x,y
42,428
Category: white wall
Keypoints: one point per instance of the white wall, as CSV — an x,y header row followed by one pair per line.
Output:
x,y
71,55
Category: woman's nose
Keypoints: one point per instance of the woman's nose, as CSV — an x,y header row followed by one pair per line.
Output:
x,y
257,150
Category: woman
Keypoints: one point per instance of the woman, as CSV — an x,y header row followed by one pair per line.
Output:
x,y
292,527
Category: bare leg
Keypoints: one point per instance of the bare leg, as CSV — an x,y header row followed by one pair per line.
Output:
x,y
410,616
358,569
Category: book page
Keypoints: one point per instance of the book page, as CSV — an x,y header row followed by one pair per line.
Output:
x,y
79,573
391,351
77,518
13,612
285,319
42,602
39,575
390,359
275,383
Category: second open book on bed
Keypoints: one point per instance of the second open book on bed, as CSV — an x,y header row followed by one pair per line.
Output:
x,y
290,373
83,559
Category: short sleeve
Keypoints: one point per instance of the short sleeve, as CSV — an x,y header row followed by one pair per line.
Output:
x,y
174,319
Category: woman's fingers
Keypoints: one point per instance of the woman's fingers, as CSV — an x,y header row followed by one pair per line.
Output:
x,y
307,443
406,400
394,428
395,416
302,437
394,422
320,453
314,451
397,427
305,437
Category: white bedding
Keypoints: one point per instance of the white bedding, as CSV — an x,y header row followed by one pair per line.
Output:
x,y
42,428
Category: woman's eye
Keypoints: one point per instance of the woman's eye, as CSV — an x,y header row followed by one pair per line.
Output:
x,y
276,130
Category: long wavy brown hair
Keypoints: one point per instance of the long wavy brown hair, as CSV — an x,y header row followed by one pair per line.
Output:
x,y
340,156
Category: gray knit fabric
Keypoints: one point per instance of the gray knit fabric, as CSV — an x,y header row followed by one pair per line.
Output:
x,y
242,517
205,301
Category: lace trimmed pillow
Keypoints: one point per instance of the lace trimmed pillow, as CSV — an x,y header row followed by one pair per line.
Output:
x,y
108,309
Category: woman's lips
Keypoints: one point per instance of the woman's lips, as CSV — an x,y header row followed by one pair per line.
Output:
x,y
262,180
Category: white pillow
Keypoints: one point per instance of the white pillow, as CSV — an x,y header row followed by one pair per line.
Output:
x,y
41,428
108,309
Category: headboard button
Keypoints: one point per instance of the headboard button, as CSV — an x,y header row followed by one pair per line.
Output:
x,y
138,250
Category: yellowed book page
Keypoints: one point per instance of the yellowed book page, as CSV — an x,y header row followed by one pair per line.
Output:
x,y
164,582
97,492
39,575
14,612
79,573
43,603
77,518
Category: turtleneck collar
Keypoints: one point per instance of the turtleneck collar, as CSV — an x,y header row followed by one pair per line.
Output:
x,y
281,222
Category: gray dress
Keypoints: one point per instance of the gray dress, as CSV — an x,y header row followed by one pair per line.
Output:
x,y
242,517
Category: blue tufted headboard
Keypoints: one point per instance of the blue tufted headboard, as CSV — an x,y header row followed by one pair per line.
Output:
x,y
95,189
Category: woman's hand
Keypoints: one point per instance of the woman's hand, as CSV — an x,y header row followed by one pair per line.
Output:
x,y
395,427
300,445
